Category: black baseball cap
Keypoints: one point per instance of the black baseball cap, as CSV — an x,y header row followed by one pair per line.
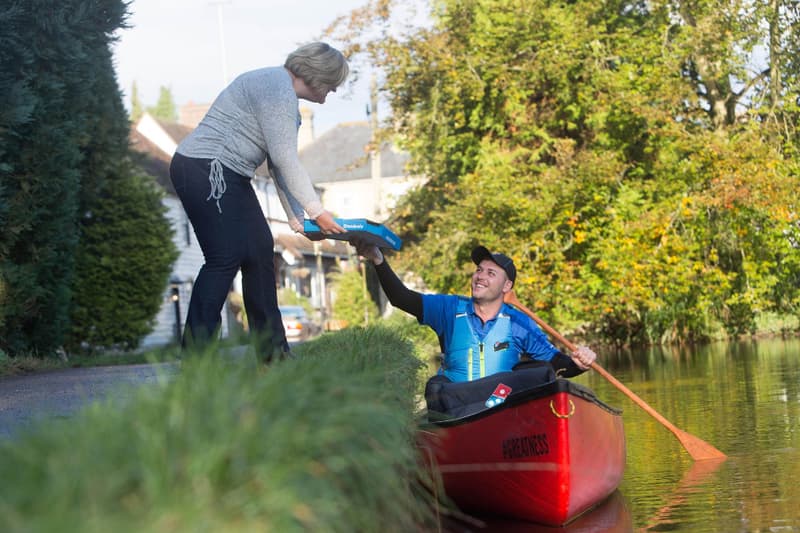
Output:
x,y
503,261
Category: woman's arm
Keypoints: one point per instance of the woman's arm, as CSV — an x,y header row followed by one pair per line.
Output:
x,y
273,103
291,178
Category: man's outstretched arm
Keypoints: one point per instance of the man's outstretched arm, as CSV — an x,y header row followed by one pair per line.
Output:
x,y
399,295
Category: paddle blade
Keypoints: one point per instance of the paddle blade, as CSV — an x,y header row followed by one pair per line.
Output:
x,y
699,449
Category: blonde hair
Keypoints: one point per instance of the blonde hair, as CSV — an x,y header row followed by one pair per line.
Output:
x,y
318,64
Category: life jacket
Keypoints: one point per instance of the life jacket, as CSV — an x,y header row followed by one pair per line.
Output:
x,y
467,358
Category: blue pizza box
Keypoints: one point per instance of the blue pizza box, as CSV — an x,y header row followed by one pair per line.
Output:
x,y
372,232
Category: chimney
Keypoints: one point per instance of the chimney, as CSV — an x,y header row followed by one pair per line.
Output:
x,y
191,114
305,134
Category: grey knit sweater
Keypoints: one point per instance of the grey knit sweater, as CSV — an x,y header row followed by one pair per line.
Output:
x,y
257,117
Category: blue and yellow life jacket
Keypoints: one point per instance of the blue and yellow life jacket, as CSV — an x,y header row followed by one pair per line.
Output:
x,y
468,358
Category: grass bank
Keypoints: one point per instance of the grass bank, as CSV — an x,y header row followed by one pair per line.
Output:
x,y
323,442
28,364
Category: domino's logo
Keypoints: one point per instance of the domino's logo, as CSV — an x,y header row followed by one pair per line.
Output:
x,y
499,395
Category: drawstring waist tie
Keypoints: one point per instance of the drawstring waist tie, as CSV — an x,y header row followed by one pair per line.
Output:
x,y
217,180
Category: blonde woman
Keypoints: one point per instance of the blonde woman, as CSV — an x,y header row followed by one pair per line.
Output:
x,y
254,119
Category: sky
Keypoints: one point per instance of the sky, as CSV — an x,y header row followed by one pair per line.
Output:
x,y
176,44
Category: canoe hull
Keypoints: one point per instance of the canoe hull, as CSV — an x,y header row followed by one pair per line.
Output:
x,y
545,456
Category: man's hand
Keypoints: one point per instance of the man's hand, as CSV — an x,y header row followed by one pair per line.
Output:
x,y
584,357
367,250
327,224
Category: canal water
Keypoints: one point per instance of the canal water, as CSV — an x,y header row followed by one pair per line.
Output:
x,y
744,399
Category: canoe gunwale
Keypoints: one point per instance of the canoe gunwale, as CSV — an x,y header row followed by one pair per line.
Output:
x,y
516,399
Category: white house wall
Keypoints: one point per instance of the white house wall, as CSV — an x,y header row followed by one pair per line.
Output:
x,y
355,198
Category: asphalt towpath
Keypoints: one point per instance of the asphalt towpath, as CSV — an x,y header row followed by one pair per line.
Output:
x,y
28,399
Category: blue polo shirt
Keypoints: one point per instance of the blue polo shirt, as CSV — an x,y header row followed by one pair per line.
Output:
x,y
439,313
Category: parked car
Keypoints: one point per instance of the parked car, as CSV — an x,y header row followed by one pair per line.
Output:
x,y
297,323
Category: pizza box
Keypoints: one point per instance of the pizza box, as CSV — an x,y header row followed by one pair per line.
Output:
x,y
372,232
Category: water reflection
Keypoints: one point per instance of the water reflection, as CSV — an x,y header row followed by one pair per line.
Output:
x,y
744,398
611,516
685,491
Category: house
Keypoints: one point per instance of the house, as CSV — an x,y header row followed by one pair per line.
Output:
x,y
300,264
357,182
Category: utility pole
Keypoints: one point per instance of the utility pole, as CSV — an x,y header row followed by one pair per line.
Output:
x,y
219,4
364,293
320,278
375,152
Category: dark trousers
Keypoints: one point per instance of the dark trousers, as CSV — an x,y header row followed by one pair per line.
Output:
x,y
233,236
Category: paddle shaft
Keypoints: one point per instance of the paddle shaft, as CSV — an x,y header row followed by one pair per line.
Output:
x,y
696,447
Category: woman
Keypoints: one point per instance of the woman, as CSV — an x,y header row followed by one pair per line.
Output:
x,y
254,119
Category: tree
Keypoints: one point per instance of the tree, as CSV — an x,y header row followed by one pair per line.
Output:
x,y
123,264
53,57
125,249
136,104
65,162
353,303
617,150
165,107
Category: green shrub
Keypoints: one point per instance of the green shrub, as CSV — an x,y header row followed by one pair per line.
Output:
x,y
353,303
123,264
287,296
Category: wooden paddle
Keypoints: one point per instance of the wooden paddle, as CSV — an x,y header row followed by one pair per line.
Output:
x,y
697,448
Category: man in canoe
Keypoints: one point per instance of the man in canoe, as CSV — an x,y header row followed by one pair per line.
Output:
x,y
479,335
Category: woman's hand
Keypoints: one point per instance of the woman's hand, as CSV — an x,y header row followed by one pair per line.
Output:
x,y
327,224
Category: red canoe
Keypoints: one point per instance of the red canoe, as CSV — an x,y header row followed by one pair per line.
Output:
x,y
546,455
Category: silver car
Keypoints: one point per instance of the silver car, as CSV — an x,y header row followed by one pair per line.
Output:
x,y
297,324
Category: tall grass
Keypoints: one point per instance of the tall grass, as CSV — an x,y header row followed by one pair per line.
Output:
x,y
323,442
24,364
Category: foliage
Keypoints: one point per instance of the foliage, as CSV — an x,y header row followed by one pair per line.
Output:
x,y
56,66
11,366
123,264
161,354
287,296
223,446
165,108
621,152
352,302
85,247
423,338
21,364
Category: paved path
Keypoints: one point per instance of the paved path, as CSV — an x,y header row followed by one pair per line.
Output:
x,y
60,393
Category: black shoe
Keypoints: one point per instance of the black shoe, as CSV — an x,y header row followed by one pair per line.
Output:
x,y
279,354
